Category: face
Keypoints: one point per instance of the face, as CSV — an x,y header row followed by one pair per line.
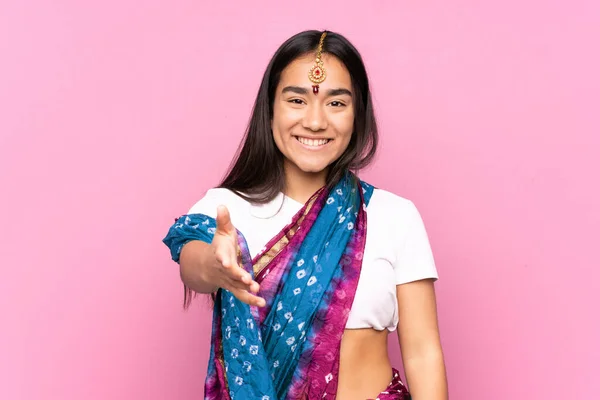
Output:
x,y
312,131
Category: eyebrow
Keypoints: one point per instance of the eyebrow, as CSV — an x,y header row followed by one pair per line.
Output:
x,y
304,91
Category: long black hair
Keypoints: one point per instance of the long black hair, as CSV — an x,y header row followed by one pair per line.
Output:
x,y
256,172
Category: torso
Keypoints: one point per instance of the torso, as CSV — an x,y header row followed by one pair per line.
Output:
x,y
365,368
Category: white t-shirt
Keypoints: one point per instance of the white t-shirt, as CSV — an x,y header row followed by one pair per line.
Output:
x,y
397,249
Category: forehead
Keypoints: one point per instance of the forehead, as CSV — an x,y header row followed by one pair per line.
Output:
x,y
296,73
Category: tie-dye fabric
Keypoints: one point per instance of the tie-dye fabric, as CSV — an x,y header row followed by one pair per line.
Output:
x,y
308,274
396,390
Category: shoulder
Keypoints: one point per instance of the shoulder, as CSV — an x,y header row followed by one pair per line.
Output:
x,y
393,215
395,222
390,205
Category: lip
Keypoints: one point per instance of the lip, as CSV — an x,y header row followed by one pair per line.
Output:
x,y
313,148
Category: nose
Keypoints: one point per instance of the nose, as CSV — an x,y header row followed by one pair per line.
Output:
x,y
315,118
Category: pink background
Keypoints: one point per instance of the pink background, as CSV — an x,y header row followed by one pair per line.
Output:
x,y
116,116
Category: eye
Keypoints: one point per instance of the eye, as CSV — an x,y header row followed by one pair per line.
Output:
x,y
296,101
337,104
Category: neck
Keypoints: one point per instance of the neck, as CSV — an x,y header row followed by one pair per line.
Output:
x,y
300,185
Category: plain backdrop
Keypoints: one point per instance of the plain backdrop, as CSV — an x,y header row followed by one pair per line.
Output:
x,y
116,116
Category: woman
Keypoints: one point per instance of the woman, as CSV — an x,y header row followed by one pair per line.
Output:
x,y
306,288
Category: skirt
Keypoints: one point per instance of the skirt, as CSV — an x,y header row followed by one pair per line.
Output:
x,y
396,389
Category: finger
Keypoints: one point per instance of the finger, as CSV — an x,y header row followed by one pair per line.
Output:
x,y
252,287
238,285
238,274
247,297
224,224
235,273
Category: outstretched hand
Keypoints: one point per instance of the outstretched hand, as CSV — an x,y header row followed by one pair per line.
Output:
x,y
225,271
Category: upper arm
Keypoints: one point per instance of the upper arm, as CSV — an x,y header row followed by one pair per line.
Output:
x,y
418,330
416,273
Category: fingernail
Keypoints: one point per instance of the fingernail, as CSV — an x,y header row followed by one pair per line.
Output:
x,y
261,303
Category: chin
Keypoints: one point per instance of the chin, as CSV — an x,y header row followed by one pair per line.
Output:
x,y
312,168
309,166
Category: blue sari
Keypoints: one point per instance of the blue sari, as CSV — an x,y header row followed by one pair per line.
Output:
x,y
308,274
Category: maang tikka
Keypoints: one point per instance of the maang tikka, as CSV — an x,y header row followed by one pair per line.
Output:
x,y
317,72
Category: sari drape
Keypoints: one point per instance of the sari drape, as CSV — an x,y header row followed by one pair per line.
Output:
x,y
308,274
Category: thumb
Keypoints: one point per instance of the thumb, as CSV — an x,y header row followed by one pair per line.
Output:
x,y
224,224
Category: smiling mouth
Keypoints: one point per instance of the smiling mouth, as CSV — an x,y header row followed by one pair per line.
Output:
x,y
312,142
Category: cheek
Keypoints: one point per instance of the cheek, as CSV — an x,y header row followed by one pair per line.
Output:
x,y
344,143
281,122
276,126
275,131
345,127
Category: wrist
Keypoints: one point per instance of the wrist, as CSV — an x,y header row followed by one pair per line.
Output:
x,y
195,262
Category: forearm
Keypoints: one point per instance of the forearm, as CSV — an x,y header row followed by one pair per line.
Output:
x,y
194,256
426,376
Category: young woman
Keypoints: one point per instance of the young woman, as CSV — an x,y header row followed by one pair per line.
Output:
x,y
311,268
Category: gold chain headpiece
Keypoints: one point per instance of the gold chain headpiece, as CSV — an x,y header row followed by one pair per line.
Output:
x,y
317,72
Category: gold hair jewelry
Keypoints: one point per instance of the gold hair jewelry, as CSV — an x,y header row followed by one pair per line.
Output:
x,y
317,72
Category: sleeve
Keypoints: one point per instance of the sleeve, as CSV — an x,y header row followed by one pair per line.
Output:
x,y
198,224
207,205
187,228
414,257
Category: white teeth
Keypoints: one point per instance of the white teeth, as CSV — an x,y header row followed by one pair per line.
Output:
x,y
312,142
